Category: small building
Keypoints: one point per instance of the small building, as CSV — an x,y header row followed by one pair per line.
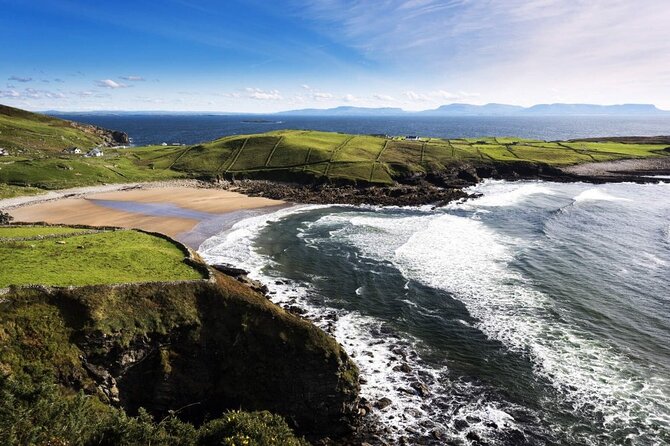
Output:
x,y
3,152
412,138
164,144
73,150
94,153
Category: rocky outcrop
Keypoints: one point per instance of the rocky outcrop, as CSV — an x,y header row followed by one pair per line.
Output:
x,y
200,348
110,138
329,193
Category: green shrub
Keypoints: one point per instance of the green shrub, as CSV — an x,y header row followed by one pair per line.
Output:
x,y
247,428
46,414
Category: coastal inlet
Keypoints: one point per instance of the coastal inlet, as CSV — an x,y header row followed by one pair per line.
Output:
x,y
534,314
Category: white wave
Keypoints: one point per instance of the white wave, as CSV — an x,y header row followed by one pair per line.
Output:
x,y
597,194
497,193
462,256
234,246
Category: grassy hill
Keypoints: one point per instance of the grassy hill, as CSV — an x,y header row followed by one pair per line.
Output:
x,y
26,133
293,155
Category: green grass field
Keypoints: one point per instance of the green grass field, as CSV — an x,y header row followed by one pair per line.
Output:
x,y
104,257
36,162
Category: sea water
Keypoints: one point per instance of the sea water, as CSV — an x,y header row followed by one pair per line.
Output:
x,y
192,129
538,313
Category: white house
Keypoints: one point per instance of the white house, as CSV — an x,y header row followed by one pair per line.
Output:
x,y
73,150
4,152
164,144
412,138
95,153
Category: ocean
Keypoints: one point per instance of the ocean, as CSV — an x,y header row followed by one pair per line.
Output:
x,y
191,129
537,314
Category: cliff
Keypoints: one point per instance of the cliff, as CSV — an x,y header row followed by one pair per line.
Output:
x,y
198,347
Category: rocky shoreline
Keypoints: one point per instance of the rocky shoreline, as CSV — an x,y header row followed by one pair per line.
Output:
x,y
440,188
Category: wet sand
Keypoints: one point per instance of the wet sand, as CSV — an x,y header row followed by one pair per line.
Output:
x,y
186,213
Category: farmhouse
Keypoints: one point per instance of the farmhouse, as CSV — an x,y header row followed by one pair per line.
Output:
x,y
412,138
73,150
95,153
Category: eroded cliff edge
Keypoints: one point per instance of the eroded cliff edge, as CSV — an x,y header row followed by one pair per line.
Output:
x,y
196,347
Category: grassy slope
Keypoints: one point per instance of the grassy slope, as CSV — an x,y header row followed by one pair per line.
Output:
x,y
104,257
25,132
37,162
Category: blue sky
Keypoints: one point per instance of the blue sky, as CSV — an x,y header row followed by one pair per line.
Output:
x,y
261,56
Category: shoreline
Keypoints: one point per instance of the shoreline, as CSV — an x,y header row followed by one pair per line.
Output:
x,y
185,211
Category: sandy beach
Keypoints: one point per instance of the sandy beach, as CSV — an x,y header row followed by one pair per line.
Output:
x,y
174,209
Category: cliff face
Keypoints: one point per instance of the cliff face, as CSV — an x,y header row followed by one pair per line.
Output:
x,y
110,138
194,347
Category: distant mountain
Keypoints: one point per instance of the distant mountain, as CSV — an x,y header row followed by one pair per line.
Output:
x,y
474,110
491,110
346,111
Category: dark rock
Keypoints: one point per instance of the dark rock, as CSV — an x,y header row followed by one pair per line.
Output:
x,y
230,270
421,389
403,368
383,403
460,424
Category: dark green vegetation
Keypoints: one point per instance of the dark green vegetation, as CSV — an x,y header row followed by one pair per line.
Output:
x,y
62,256
88,364
290,155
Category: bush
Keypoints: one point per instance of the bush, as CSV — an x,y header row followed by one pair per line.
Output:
x,y
46,415
5,218
247,428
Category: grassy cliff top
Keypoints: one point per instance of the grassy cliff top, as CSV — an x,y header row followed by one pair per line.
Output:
x,y
63,256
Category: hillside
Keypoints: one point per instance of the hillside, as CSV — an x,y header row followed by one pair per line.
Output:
x,y
296,156
23,132
134,324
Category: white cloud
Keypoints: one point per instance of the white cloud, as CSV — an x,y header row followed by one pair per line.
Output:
x,y
383,97
264,95
306,87
414,96
9,94
108,83
320,96
349,98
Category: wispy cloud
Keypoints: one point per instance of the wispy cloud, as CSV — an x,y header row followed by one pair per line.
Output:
x,y
587,49
132,78
108,83
31,93
440,96
9,94
264,95
20,79
383,97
